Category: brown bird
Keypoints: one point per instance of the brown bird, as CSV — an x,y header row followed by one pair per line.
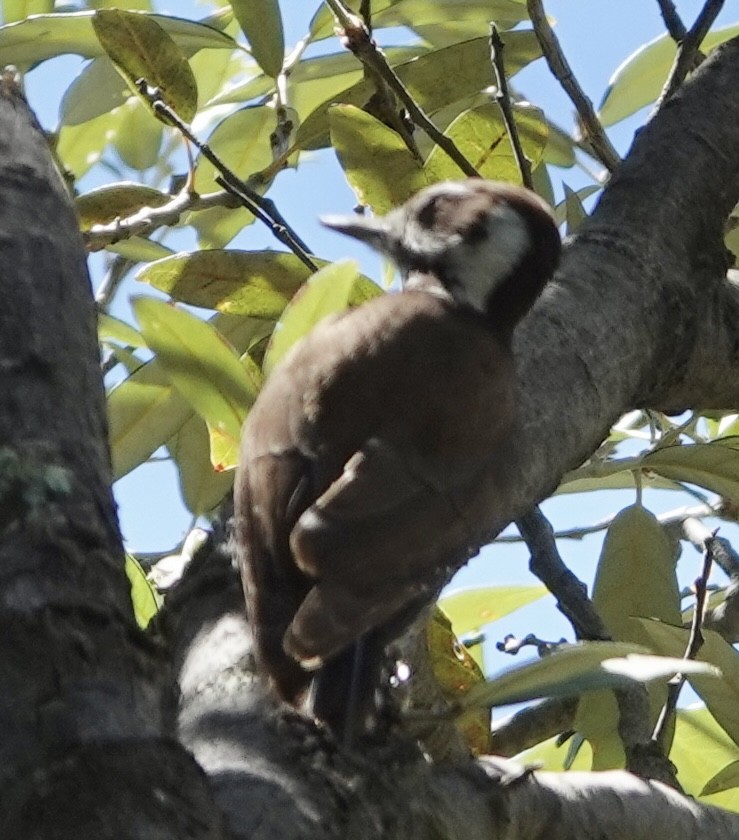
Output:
x,y
363,443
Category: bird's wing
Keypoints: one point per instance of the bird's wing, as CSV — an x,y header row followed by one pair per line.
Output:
x,y
372,544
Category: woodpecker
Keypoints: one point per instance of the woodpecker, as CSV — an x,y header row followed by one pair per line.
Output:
x,y
362,444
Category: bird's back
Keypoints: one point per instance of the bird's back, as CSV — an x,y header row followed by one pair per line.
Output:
x,y
354,465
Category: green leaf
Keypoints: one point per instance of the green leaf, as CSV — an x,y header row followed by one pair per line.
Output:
x,y
138,249
116,201
202,487
144,411
635,577
571,209
37,39
330,290
721,696
141,49
714,466
700,749
639,80
725,779
261,22
456,672
145,600
377,163
139,137
256,283
98,89
575,213
434,80
242,142
80,147
199,362
14,10
566,672
115,330
480,135
417,13
636,574
470,609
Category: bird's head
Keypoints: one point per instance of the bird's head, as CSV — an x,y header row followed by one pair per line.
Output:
x,y
491,245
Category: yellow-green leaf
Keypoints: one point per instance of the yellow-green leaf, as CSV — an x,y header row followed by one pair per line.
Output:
x,y
143,597
330,290
116,201
434,80
700,750
115,330
36,39
261,22
456,672
138,249
255,283
140,136
719,695
200,363
14,10
639,79
144,411
712,465
202,486
568,671
481,136
725,779
471,609
635,577
377,163
141,49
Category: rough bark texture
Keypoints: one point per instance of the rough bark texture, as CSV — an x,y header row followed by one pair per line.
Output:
x,y
82,748
640,314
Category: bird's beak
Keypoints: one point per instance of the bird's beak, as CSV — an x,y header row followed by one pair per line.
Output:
x,y
371,230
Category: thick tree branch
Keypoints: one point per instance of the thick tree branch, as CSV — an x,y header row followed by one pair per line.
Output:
x,y
641,313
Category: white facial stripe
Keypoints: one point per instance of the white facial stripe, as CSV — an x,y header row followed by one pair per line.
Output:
x,y
480,269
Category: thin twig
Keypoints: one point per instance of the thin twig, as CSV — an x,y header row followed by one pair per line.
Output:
x,y
358,40
148,219
264,210
687,56
503,99
548,566
673,22
695,643
561,70
642,757
674,517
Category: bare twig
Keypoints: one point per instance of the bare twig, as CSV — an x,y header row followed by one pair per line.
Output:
x,y
561,70
687,56
263,209
357,39
548,566
642,755
673,22
148,219
503,99
695,643
724,617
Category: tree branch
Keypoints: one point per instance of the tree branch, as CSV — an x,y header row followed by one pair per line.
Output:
x,y
562,71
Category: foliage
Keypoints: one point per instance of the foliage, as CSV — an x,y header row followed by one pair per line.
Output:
x,y
183,382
